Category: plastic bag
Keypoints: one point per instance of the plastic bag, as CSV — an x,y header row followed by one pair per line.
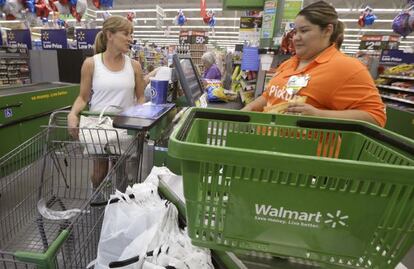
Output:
x,y
57,215
100,137
127,219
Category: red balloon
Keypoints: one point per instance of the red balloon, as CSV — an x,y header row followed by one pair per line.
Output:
x,y
64,2
42,10
206,19
52,5
75,14
96,3
10,17
361,20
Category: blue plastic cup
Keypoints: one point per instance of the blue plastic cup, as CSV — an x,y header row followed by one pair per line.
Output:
x,y
159,90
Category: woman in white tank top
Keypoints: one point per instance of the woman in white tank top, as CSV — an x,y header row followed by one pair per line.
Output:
x,y
108,78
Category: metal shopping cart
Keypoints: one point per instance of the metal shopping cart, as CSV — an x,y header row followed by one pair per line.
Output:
x,y
334,192
51,172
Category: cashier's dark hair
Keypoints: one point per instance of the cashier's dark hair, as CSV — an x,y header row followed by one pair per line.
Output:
x,y
322,14
112,24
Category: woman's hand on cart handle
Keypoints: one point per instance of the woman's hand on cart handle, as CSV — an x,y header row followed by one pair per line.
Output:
x,y
73,125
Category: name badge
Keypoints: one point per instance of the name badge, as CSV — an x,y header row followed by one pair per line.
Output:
x,y
296,83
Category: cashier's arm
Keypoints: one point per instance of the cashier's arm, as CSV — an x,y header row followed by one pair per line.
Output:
x,y
139,82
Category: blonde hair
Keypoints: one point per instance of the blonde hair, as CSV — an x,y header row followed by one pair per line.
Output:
x,y
113,24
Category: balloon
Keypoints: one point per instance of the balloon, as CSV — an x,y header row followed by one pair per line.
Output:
x,y
81,7
62,9
73,2
131,16
12,9
212,21
181,19
42,10
30,5
61,23
75,14
52,5
106,15
400,24
106,3
370,19
367,17
96,3
64,2
2,2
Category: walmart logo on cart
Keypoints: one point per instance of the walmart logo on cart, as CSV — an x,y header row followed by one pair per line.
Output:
x,y
286,216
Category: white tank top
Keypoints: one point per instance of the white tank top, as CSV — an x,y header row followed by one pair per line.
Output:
x,y
112,88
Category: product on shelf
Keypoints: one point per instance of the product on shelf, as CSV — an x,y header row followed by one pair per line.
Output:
x,y
14,66
396,86
401,70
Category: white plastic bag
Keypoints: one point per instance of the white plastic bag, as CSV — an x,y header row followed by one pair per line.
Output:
x,y
100,137
127,219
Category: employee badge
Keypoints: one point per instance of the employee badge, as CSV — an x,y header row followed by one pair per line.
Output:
x,y
296,83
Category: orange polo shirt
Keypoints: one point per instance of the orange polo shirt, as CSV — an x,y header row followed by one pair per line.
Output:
x,y
337,82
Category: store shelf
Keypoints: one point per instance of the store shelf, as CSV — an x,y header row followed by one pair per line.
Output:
x,y
397,99
396,88
397,77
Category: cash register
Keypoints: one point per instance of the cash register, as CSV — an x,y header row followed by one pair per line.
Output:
x,y
191,84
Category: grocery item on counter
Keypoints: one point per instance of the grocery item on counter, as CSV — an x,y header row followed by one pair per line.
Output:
x,y
281,108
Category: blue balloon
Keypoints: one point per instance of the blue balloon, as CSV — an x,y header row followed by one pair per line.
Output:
x,y
212,21
30,4
181,20
73,2
2,2
370,19
107,3
61,22
45,20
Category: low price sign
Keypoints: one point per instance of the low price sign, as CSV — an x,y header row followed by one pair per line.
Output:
x,y
379,42
54,39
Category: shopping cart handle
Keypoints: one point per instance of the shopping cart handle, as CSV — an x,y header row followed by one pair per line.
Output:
x,y
123,263
133,260
365,130
105,202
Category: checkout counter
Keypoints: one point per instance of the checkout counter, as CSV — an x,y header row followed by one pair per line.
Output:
x,y
24,109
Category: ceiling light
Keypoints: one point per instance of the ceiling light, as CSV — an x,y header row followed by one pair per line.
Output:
x,y
366,30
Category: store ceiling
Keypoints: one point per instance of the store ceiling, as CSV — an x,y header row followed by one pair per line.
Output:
x,y
226,30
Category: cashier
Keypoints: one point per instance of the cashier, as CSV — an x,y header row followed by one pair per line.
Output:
x,y
320,80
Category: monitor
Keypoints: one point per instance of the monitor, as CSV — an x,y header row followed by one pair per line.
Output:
x,y
188,78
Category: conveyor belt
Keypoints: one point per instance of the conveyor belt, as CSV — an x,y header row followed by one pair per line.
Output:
x,y
31,88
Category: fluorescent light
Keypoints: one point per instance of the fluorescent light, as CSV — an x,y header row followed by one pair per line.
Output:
x,y
351,40
11,21
367,30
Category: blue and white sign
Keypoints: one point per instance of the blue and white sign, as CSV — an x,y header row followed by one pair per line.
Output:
x,y
54,39
86,38
396,57
19,38
8,113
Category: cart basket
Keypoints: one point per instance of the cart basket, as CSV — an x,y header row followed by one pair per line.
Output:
x,y
336,192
